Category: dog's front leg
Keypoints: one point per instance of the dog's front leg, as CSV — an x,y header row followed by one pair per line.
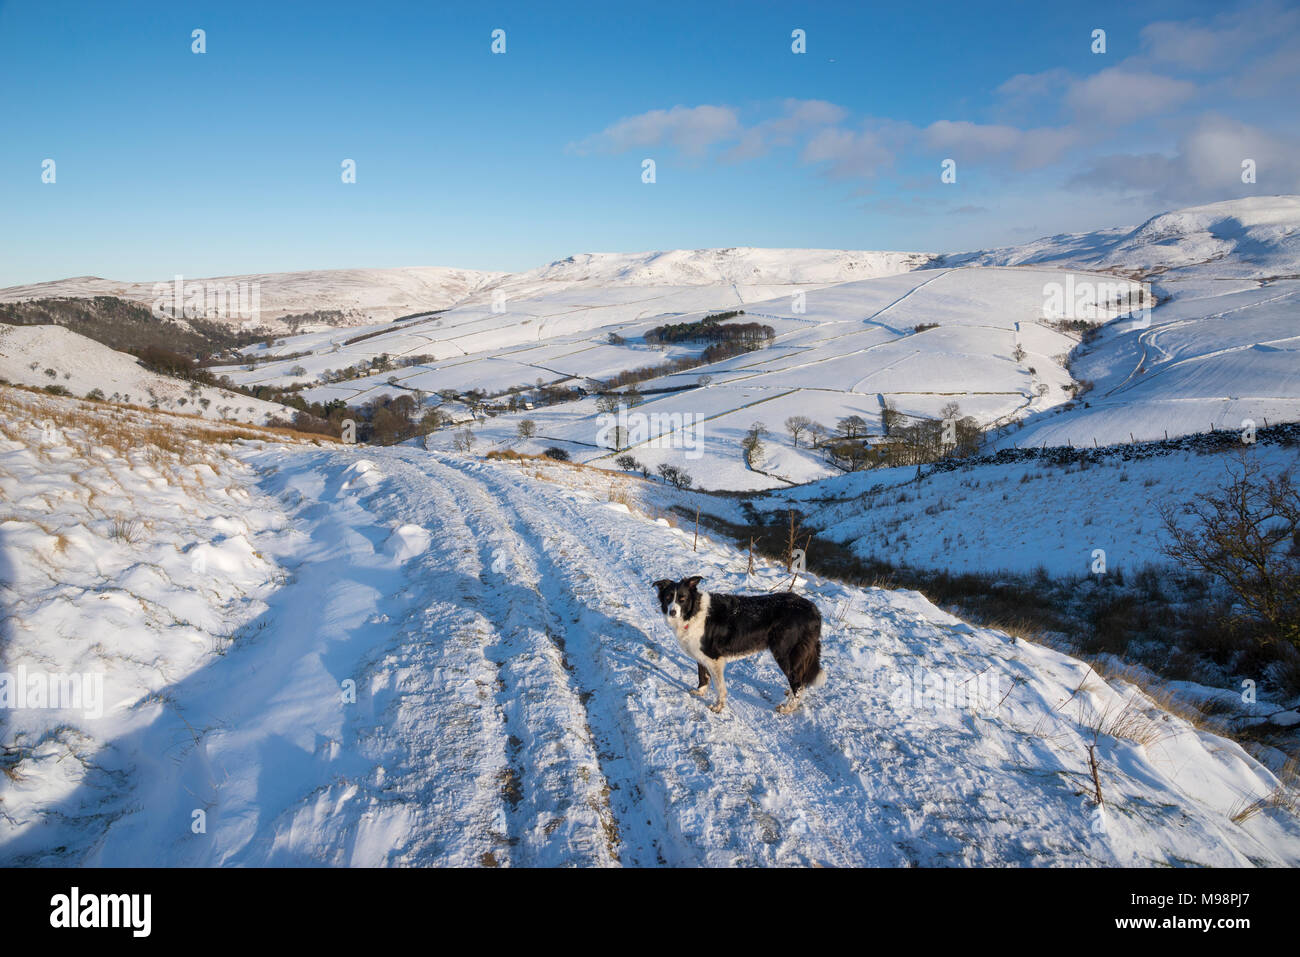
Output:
x,y
721,684
703,675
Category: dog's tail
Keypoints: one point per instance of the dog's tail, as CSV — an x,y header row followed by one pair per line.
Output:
x,y
819,679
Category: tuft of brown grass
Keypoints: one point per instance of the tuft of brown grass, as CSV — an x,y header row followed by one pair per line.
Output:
x,y
127,428
1021,628
1286,796
619,494
123,529
1127,720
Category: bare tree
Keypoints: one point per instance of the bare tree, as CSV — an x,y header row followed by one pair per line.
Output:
x,y
796,425
853,427
527,428
677,478
1247,536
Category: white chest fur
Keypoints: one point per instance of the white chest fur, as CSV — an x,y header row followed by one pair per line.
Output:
x,y
690,634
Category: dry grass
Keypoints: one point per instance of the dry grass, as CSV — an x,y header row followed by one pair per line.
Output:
x,y
1127,719
1285,796
123,529
79,439
1021,628
1204,714
619,494
11,757
132,428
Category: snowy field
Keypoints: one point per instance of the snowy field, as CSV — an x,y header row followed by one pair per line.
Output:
x,y
842,351
854,331
361,295
288,651
1019,517
29,354
334,655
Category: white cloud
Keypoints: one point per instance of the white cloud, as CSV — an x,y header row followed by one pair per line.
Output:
x,y
848,154
693,130
801,116
1206,167
1118,96
1027,149
1219,43
1025,89
690,129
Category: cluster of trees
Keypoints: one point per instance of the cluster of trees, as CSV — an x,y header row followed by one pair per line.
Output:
x,y
917,441
328,317
907,440
675,476
672,475
629,463
752,444
610,401
128,326
725,342
365,367
388,420
714,353
710,329
732,347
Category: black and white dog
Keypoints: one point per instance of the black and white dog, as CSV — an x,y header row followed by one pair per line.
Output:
x,y
714,629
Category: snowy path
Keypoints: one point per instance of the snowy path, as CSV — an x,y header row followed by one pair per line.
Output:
x,y
519,701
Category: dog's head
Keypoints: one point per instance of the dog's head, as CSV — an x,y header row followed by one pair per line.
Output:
x,y
679,600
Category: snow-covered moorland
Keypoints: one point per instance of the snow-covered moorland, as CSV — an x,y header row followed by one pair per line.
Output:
x,y
341,655
49,355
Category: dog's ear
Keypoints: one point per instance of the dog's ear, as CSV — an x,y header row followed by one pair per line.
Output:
x,y
692,581
663,583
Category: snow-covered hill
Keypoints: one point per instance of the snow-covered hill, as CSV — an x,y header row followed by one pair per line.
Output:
x,y
386,656
362,295
1253,238
29,354
744,266
919,340
1023,516
854,331
382,295
1222,349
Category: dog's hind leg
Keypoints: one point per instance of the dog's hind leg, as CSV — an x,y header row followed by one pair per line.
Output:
x,y
802,668
703,675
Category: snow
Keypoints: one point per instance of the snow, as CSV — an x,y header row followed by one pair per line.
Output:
x,y
1019,517
1218,350
395,656
81,365
1255,237
1210,357
315,654
845,350
364,295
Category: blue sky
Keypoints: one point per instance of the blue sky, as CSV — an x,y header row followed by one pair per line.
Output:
x,y
229,162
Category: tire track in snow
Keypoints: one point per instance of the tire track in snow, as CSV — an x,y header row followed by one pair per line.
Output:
x,y
795,754
553,781
441,763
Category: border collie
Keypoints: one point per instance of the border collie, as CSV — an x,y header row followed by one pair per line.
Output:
x,y
714,629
